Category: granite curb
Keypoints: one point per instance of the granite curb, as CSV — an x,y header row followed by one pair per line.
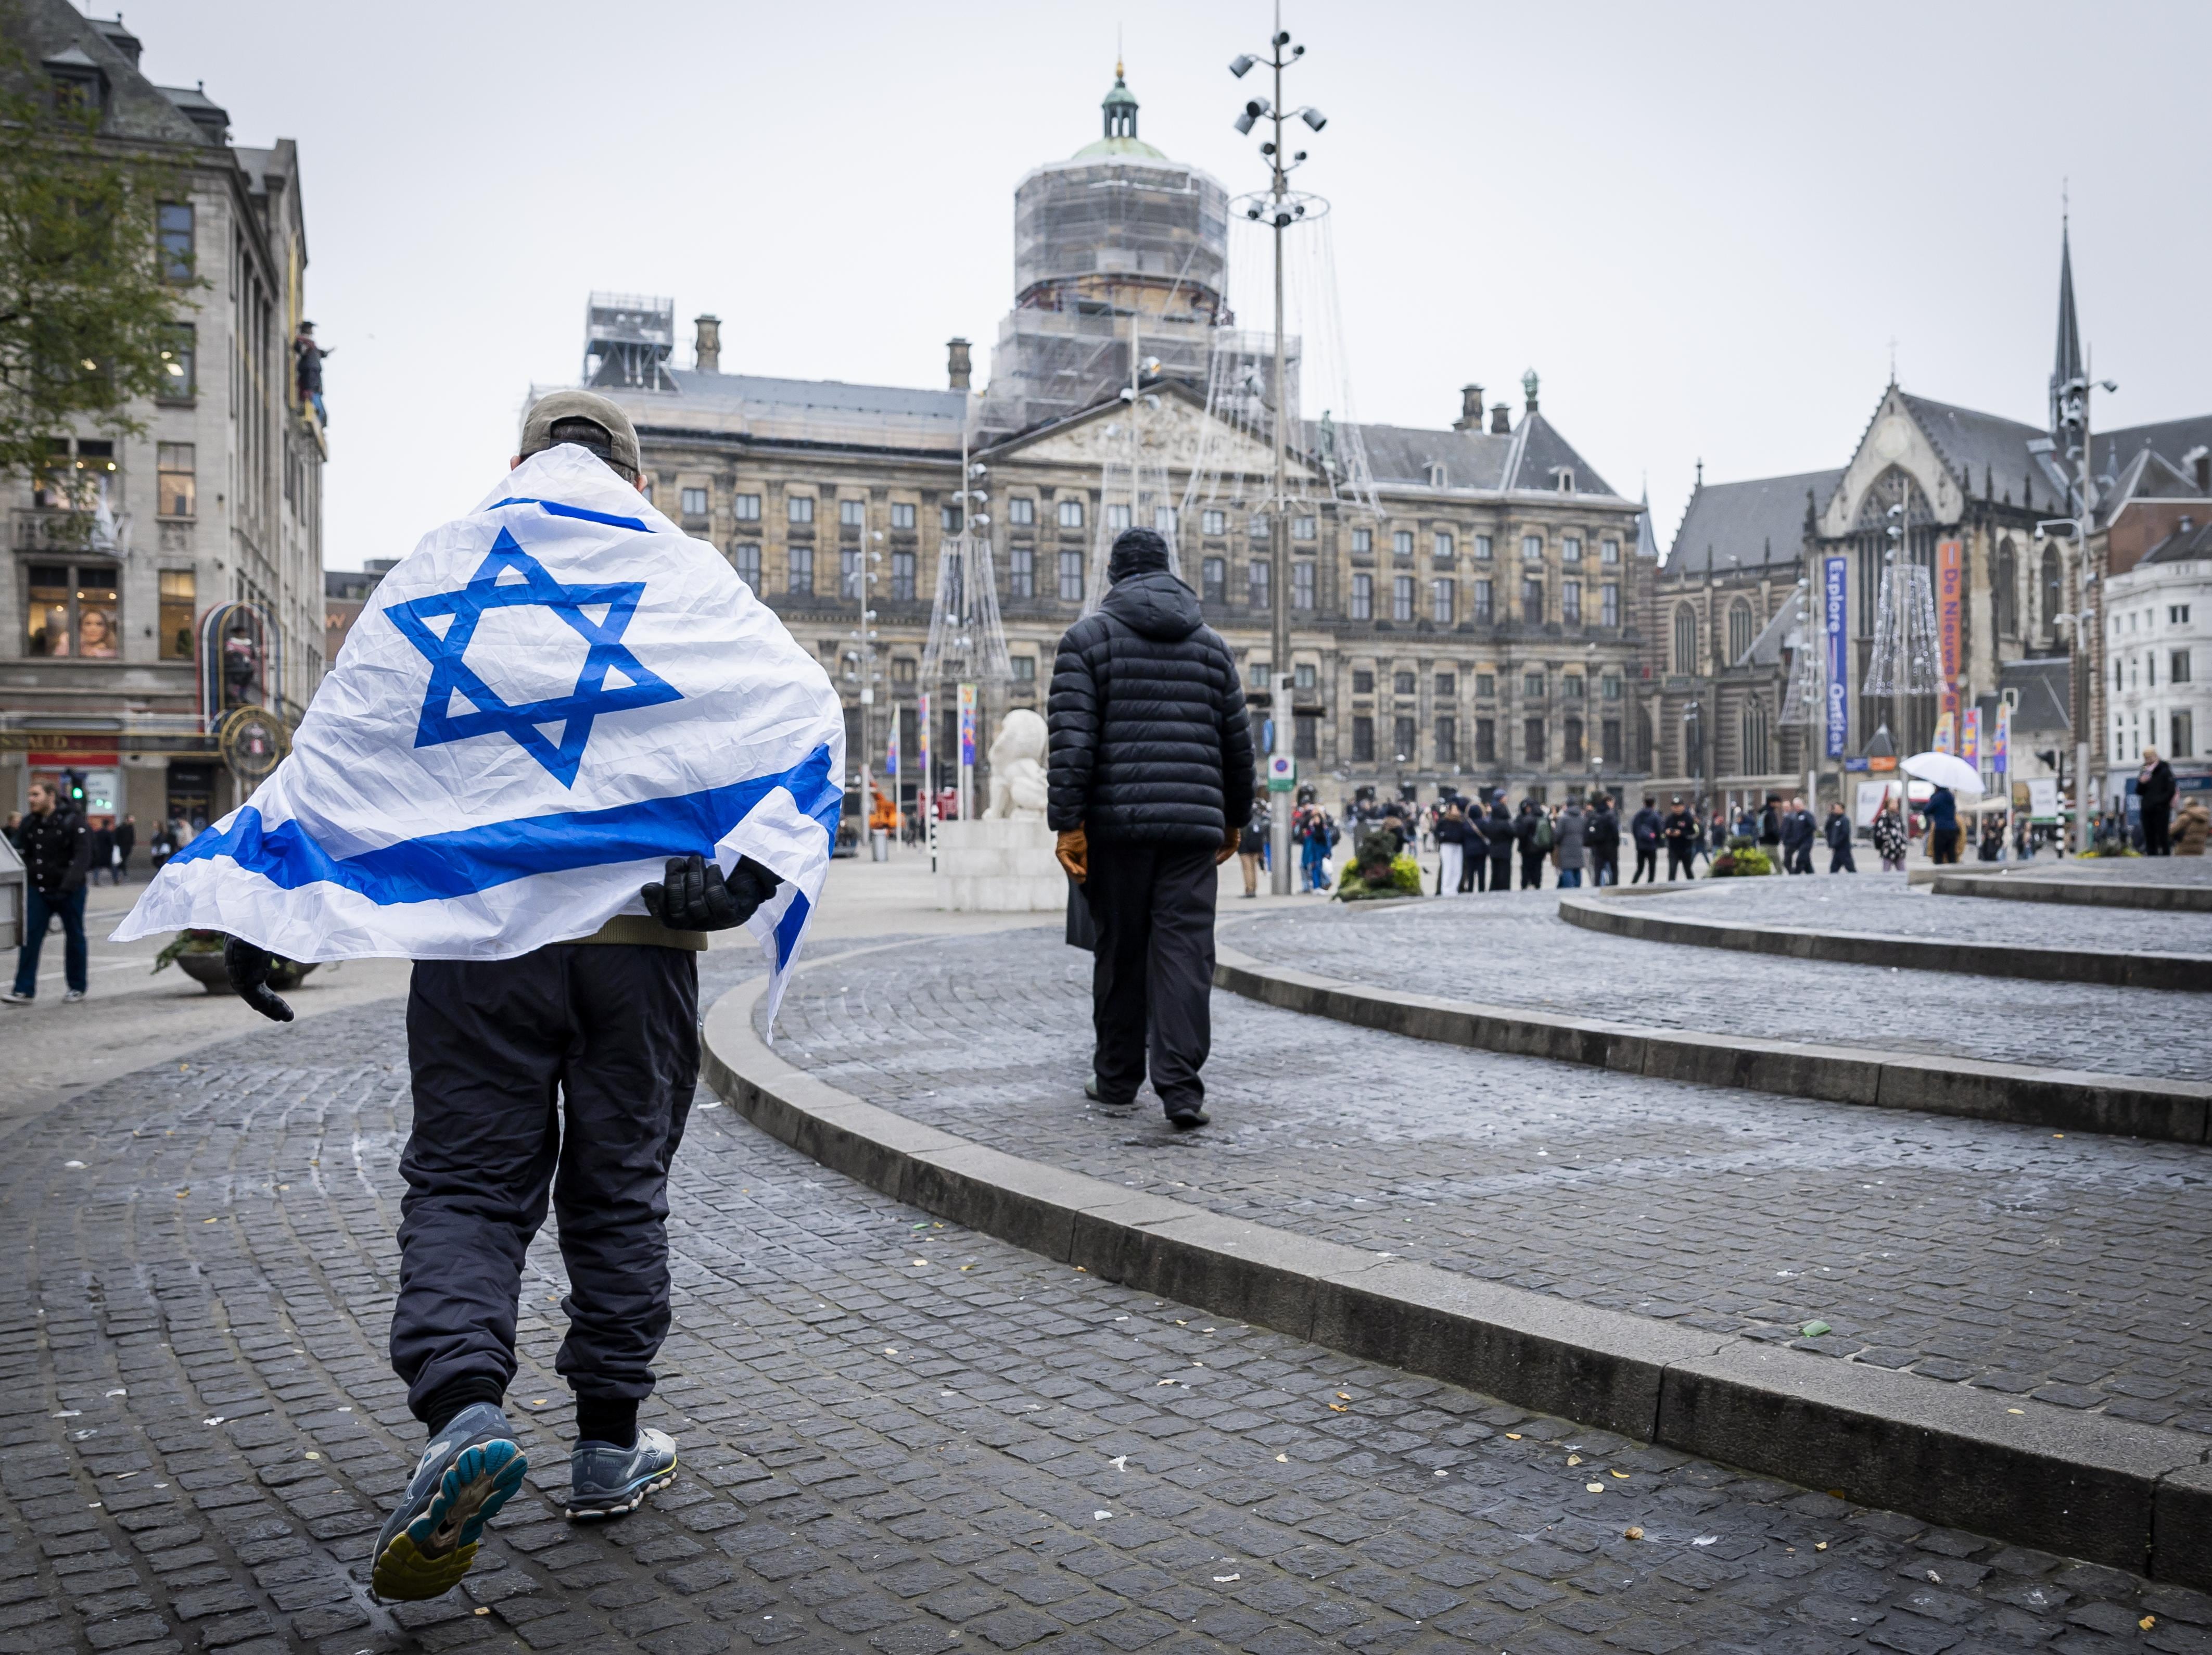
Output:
x,y
2134,970
2090,893
2076,1100
2132,1496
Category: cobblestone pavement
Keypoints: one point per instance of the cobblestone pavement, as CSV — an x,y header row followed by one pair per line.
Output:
x,y
2138,870
898,1436
1515,950
1881,903
2007,1256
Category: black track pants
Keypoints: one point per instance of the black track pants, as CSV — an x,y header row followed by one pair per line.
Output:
x,y
570,1070
1152,980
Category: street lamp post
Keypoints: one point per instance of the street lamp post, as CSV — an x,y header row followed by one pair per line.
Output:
x,y
1280,211
2073,427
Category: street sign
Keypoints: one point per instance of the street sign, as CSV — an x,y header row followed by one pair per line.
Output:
x,y
1282,773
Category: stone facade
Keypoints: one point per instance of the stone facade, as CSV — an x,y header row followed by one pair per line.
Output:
x,y
218,503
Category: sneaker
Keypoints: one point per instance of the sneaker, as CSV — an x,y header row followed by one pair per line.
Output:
x,y
605,1481
460,1482
1188,1116
73,996
17,997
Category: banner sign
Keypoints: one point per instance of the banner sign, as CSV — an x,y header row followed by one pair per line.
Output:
x,y
967,727
1947,740
925,779
1837,713
1970,736
2001,741
1950,614
891,748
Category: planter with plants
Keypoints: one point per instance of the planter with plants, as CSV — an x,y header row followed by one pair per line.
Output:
x,y
199,955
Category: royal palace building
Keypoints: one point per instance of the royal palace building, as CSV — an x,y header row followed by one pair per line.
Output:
x,y
1465,600
166,587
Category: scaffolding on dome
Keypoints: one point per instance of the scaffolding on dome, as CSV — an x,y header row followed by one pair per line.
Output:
x,y
627,339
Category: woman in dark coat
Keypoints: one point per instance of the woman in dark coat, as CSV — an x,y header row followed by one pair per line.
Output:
x,y
1498,830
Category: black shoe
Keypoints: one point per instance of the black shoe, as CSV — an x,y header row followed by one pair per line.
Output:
x,y
1188,1116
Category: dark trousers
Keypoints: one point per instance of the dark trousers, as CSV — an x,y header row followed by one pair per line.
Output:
x,y
1943,844
1680,862
1605,867
39,911
1839,860
1532,870
1151,977
570,1070
1472,862
1501,873
1647,866
2158,830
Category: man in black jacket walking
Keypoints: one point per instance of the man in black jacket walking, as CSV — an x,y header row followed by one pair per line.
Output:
x,y
1645,829
57,849
1150,783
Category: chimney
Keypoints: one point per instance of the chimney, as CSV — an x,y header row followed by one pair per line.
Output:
x,y
1501,420
958,369
1470,409
707,352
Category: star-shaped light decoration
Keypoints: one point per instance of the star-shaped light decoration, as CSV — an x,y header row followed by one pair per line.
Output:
x,y
493,587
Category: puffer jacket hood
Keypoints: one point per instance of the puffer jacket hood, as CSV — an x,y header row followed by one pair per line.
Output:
x,y
1155,604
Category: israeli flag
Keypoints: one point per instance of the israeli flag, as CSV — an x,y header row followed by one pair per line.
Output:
x,y
543,702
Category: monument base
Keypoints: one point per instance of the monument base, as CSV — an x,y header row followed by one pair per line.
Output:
x,y
999,867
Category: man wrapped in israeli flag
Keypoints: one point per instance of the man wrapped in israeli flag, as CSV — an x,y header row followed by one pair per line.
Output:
x,y
563,743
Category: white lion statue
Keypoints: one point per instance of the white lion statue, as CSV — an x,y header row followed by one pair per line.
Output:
x,y
1017,777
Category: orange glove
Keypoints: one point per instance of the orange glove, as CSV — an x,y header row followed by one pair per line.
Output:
x,y
1231,838
1074,850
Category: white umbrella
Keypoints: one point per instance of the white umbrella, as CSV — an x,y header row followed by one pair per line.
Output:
x,y
1945,770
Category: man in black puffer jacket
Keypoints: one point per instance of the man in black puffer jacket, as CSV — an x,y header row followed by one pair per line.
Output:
x,y
1150,783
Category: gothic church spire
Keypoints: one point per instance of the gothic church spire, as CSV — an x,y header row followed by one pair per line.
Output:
x,y
2068,366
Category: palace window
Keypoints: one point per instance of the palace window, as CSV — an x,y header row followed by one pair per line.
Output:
x,y
1305,735
1485,741
851,571
1570,549
1021,511
1071,577
1302,585
851,513
1401,543
1256,583
802,570
1405,738
1302,528
745,558
1443,595
1571,602
1363,740
1447,740
1164,520
1021,572
1025,669
1532,600
798,509
694,501
1117,519
1485,686
1213,521
1609,740
1213,574
1532,685
1481,548
1401,598
1447,686
1444,547
902,576
1608,603
1362,597
746,508
1071,513
1404,684
1532,548
1609,551
1483,601
1363,540
1532,741
1570,741
1570,686
1363,681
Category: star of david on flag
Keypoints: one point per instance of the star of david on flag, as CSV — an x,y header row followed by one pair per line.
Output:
x,y
510,578
663,709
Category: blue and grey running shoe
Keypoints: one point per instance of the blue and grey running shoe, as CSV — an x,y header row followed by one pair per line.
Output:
x,y
605,1481
463,1478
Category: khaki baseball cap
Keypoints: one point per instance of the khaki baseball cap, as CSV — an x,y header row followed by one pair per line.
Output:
x,y
550,409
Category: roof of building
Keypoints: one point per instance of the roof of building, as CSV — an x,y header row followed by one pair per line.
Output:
x,y
2044,686
2185,544
1533,457
2171,442
1775,636
799,411
54,30
1987,452
1739,525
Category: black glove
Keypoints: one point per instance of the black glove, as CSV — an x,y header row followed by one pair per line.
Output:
x,y
692,895
246,965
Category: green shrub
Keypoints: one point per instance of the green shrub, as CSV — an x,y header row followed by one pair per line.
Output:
x,y
1406,874
1740,862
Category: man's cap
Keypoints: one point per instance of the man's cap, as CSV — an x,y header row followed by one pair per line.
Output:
x,y
550,409
1136,550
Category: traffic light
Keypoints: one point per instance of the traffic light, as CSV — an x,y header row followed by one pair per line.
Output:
x,y
73,786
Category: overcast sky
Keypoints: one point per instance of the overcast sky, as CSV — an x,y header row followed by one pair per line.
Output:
x,y
1703,225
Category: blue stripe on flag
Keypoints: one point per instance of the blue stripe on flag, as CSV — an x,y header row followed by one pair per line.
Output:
x,y
560,510
788,927
455,864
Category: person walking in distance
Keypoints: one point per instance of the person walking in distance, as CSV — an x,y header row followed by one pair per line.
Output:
x,y
1570,855
1451,848
1647,828
1838,832
1889,836
2155,789
1497,827
126,840
1798,832
1681,832
1532,836
1150,787
1602,835
1942,826
57,850
1252,844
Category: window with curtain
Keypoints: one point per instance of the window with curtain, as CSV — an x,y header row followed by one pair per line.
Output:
x,y
1685,639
